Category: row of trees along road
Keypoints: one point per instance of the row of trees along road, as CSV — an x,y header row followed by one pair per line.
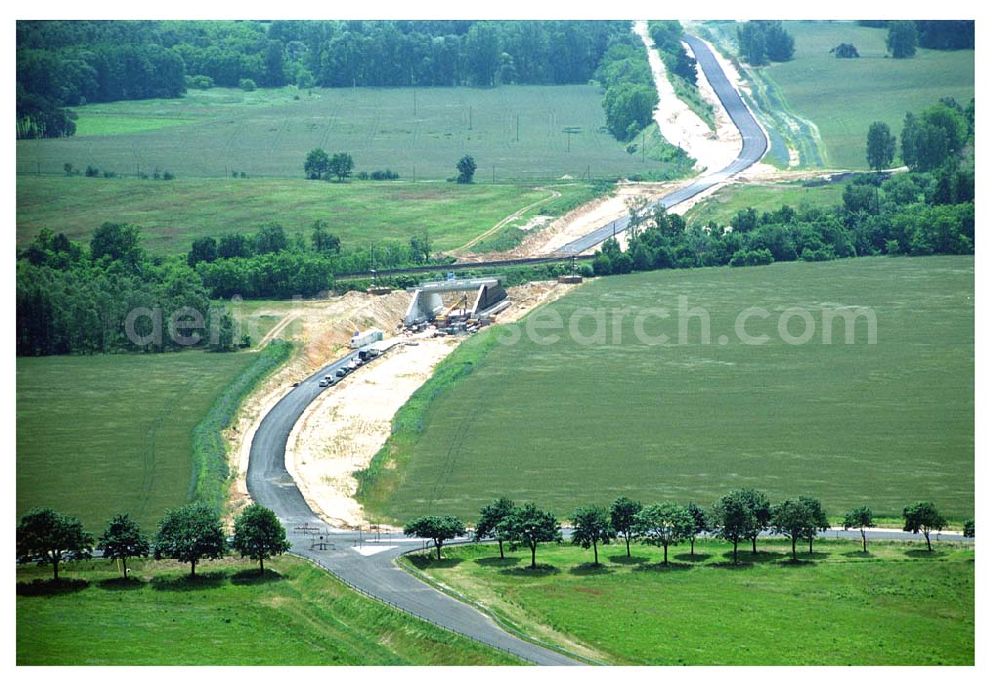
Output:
x,y
189,534
738,516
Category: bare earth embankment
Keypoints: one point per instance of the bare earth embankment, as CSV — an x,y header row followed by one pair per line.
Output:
x,y
344,429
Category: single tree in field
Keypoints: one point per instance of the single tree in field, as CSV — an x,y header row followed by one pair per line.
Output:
x,y
623,520
881,151
190,534
48,537
969,529
123,539
324,241
901,39
701,522
820,521
490,518
436,528
317,163
923,517
795,519
340,165
733,520
845,50
881,146
466,169
530,525
664,524
592,525
760,508
860,518
258,534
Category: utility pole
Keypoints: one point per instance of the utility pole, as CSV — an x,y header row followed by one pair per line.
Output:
x,y
470,118
517,127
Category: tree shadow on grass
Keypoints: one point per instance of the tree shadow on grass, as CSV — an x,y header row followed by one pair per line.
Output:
x,y
688,557
626,560
586,569
538,571
814,556
801,562
119,584
761,556
253,577
660,566
48,587
507,561
728,564
431,562
919,553
860,554
198,582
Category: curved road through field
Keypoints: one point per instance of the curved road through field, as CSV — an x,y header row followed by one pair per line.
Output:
x,y
367,563
754,148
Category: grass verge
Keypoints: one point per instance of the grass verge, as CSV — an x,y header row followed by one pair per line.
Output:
x,y
898,605
296,614
210,464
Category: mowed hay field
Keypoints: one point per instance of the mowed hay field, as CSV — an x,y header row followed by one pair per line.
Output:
x,y
842,97
571,422
173,213
98,435
296,614
521,130
895,607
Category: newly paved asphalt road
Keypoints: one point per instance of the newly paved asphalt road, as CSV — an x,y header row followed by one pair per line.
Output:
x,y
365,564
754,147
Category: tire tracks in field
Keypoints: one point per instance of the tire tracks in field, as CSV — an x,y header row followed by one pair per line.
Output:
x,y
509,219
149,457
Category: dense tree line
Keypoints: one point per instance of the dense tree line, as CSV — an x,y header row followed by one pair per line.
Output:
x,y
78,299
190,533
273,265
67,63
761,42
629,92
110,296
929,210
937,34
938,136
49,79
667,37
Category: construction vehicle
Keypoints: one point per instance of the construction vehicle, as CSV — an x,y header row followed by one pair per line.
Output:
x,y
367,337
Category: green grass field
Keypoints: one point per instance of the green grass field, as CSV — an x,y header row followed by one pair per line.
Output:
x,y
521,130
721,206
173,213
97,435
896,607
843,97
297,614
572,422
